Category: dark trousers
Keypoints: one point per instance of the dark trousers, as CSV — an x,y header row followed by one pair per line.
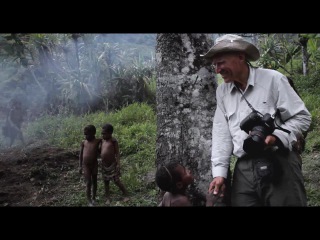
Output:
x,y
284,187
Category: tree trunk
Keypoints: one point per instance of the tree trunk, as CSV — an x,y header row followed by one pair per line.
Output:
x,y
304,45
186,103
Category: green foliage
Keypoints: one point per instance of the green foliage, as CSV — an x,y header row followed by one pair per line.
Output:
x,y
135,130
309,88
313,196
278,51
130,82
308,85
311,171
134,113
57,130
73,70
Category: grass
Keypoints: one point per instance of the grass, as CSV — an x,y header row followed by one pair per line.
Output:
x,y
135,129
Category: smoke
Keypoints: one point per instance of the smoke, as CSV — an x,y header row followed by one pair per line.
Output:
x,y
51,73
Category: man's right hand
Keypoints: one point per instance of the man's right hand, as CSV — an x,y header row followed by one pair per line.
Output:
x,y
217,186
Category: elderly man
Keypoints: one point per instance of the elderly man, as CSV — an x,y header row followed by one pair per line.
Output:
x,y
258,119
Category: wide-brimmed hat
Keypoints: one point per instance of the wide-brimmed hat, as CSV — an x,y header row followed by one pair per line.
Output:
x,y
233,43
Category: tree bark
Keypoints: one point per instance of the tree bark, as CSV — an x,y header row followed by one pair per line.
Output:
x,y
186,103
304,45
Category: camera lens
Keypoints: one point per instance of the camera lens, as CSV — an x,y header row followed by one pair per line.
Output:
x,y
253,145
255,142
259,128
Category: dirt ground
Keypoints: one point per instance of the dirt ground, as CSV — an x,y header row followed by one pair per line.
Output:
x,y
33,175
42,175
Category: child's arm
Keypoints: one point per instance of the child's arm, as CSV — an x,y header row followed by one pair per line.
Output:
x,y
214,200
117,155
81,157
99,146
99,150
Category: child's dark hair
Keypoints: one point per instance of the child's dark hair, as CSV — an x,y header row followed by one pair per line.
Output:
x,y
167,177
108,127
90,129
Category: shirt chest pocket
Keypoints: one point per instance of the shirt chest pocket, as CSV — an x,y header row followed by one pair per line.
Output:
x,y
230,112
233,116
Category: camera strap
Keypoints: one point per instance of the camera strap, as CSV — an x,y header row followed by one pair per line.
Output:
x,y
250,106
277,113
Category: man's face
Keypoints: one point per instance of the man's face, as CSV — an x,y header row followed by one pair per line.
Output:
x,y
227,65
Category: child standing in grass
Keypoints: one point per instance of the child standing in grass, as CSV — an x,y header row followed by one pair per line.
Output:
x,y
110,162
88,162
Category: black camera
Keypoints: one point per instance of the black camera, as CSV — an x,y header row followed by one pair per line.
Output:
x,y
260,126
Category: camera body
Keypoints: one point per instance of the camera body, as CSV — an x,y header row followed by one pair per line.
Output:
x,y
260,127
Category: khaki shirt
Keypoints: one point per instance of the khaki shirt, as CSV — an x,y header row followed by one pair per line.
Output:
x,y
267,90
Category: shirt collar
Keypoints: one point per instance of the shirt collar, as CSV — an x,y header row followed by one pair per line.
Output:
x,y
250,79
